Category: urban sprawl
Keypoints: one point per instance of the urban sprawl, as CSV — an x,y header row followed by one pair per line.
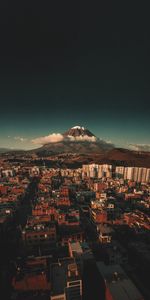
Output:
x,y
74,233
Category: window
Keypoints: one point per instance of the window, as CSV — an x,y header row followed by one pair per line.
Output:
x,y
77,282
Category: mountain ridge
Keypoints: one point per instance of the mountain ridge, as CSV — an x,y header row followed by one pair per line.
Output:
x,y
77,139
80,146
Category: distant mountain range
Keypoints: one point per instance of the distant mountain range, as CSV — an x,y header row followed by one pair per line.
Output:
x,y
4,150
80,146
7,150
115,156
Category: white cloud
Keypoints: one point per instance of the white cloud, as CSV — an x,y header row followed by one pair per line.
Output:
x,y
82,138
140,147
108,142
51,138
20,139
58,137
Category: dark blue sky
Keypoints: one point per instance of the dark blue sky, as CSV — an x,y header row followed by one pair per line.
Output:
x,y
74,64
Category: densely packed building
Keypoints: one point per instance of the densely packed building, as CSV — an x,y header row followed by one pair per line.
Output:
x,y
65,228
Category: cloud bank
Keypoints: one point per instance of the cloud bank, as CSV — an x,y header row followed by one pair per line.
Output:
x,y
51,138
140,147
82,138
58,137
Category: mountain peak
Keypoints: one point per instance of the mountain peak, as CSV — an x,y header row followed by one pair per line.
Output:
x,y
78,127
78,131
77,139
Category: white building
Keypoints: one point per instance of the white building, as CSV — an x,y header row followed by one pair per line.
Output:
x,y
65,280
120,172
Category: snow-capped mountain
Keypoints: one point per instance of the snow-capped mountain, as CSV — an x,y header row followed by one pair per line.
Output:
x,y
77,140
78,131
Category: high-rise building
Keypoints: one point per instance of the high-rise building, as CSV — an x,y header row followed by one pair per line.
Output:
x,y
116,283
66,281
147,175
128,173
97,171
119,172
144,175
135,173
104,170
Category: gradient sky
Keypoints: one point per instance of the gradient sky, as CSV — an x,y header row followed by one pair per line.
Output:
x,y
66,64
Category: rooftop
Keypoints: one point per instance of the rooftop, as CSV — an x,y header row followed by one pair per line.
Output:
x,y
76,247
119,285
62,272
58,275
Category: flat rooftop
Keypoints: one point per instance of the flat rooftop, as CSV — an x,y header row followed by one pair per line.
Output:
x,y
31,282
76,247
58,275
118,283
105,229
